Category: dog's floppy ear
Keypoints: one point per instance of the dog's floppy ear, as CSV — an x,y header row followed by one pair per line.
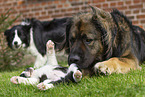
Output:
x,y
6,32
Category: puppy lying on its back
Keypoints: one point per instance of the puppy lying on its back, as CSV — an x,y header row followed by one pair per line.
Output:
x,y
49,75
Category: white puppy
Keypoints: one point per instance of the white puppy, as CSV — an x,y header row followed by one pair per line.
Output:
x,y
49,74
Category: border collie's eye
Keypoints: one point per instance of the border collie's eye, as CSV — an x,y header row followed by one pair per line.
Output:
x,y
88,41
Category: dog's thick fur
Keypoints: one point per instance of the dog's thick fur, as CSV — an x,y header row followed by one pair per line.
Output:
x,y
103,42
33,35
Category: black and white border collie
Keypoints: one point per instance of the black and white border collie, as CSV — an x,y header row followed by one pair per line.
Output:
x,y
50,74
33,35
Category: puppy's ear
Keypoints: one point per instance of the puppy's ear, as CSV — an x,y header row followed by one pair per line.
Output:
x,y
6,32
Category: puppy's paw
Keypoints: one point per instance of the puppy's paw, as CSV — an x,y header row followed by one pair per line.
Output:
x,y
77,76
50,45
44,86
14,80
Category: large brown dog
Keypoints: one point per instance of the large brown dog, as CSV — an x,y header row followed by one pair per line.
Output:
x,y
105,42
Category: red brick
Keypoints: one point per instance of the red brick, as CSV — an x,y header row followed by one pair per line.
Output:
x,y
76,9
136,11
37,14
113,4
135,22
98,5
130,17
141,16
21,2
59,6
44,17
62,1
46,9
57,15
57,11
127,12
135,6
30,15
98,1
84,7
56,2
50,12
76,3
66,5
122,8
128,2
36,9
143,21
43,13
105,5
24,11
63,10
69,9
111,0
120,3
136,1
143,10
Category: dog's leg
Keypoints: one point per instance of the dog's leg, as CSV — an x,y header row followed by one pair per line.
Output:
x,y
45,85
73,75
40,61
51,57
116,65
77,74
27,73
26,81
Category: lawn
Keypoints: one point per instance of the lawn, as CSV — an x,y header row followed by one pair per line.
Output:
x,y
131,84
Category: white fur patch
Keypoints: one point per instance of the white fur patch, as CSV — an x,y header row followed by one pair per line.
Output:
x,y
25,23
16,39
44,86
73,67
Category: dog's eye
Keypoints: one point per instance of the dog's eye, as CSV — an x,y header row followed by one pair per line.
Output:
x,y
88,41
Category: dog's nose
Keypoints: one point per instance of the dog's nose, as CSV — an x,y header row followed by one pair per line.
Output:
x,y
16,43
74,59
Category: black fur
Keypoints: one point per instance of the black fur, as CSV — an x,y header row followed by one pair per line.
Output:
x,y
42,32
63,69
67,79
42,78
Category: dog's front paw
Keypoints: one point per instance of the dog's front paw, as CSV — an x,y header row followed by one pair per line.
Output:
x,y
77,76
102,68
44,86
14,80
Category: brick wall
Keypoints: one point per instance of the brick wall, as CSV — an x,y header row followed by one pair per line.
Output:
x,y
48,9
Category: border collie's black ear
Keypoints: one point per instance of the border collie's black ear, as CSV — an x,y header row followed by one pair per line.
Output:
x,y
6,32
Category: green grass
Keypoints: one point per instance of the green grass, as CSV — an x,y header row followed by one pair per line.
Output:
x,y
131,84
